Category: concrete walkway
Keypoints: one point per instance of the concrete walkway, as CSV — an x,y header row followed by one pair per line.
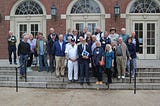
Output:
x,y
53,97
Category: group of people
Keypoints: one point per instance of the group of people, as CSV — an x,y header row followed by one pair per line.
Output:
x,y
102,52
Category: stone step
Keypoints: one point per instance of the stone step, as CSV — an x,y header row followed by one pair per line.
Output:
x,y
65,79
148,74
148,69
44,73
114,86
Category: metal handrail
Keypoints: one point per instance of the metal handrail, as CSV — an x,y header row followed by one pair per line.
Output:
x,y
135,88
24,64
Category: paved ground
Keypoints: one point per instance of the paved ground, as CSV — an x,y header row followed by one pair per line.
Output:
x,y
53,97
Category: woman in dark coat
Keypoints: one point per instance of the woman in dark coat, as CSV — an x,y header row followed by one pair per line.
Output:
x,y
98,56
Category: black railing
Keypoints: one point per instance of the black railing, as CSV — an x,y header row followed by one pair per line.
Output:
x,y
135,81
25,67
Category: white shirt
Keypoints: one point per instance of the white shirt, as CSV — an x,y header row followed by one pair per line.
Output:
x,y
61,44
113,37
72,51
67,47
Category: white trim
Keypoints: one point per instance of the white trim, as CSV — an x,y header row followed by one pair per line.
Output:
x,y
38,18
97,17
48,16
107,15
63,16
7,18
123,16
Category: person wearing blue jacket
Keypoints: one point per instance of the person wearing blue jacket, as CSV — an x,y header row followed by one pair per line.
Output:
x,y
132,51
59,49
109,62
98,53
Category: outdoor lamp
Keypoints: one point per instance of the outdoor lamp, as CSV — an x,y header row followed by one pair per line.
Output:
x,y
116,11
53,11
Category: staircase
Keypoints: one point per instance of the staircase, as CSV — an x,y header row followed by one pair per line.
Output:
x,y
147,79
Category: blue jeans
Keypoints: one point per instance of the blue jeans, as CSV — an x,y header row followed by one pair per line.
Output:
x,y
84,71
23,63
43,59
133,64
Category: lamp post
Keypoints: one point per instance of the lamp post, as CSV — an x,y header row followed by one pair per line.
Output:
x,y
53,11
116,11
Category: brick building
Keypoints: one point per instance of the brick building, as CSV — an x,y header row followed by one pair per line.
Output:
x,y
31,16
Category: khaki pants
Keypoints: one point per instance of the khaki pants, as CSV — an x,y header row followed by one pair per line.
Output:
x,y
60,66
121,65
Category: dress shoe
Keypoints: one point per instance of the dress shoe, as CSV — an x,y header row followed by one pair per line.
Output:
x,y
88,83
81,83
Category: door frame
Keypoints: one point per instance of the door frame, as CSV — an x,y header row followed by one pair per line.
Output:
x,y
28,28
145,55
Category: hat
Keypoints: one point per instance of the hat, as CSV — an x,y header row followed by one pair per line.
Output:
x,y
72,40
112,28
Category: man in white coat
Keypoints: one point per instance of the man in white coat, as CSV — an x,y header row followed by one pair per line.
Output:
x,y
72,56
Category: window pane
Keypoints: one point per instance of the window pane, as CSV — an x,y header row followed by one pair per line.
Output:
x,y
92,27
28,7
145,6
139,33
79,27
34,29
85,6
150,50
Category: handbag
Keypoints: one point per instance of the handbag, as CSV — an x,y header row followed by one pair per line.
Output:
x,y
101,63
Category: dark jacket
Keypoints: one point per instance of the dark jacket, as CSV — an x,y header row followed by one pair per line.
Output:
x,y
105,41
137,44
98,52
52,34
80,50
50,47
132,50
57,48
23,48
11,41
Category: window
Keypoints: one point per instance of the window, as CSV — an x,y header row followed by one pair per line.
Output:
x,y
139,32
85,6
28,7
145,6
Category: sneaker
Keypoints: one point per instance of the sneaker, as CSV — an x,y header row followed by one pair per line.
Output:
x,y
97,82
119,77
100,82
123,77
132,76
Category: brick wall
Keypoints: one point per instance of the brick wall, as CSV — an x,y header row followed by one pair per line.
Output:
x,y
58,24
